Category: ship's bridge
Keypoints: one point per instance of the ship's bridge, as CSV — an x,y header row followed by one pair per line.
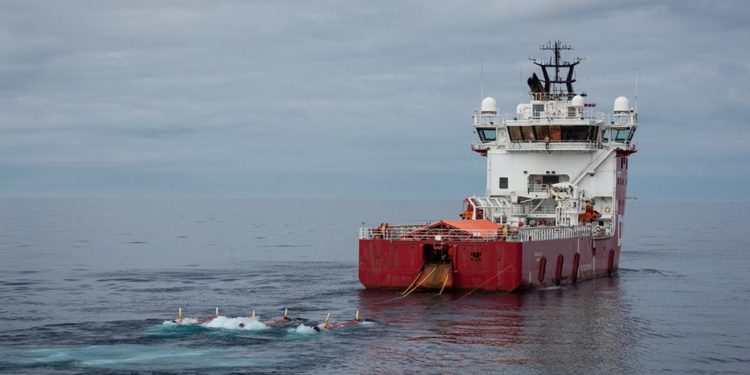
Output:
x,y
555,155
559,125
556,118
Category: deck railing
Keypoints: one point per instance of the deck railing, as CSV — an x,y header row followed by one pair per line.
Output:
x,y
538,188
424,233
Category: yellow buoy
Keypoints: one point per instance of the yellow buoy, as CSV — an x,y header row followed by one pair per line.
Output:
x,y
356,316
179,315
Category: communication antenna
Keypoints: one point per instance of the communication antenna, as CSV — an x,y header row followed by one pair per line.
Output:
x,y
636,90
559,85
520,85
588,78
481,78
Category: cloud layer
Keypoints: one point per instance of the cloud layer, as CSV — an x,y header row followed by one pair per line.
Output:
x,y
352,99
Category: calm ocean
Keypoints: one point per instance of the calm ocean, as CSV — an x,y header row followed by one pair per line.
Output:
x,y
86,285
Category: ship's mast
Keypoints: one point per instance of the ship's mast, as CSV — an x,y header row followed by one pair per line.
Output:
x,y
552,88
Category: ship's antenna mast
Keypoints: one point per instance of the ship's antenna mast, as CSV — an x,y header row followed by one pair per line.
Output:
x,y
552,84
636,90
481,77
520,85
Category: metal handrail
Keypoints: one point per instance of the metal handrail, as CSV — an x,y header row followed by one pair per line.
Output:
x,y
538,188
553,145
424,233
501,118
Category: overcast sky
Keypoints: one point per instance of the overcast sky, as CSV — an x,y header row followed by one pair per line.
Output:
x,y
347,98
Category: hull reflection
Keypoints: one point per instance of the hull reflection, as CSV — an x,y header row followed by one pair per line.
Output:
x,y
584,328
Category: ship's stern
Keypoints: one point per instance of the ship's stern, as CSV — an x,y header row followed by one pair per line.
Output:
x,y
440,265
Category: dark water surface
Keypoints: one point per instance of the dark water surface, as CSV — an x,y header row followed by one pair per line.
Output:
x,y
85,286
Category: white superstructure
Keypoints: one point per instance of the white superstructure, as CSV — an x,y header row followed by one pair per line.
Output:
x,y
555,153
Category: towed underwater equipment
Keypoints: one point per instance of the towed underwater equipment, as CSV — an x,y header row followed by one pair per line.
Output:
x,y
326,325
283,320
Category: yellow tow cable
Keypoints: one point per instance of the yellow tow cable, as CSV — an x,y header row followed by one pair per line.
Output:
x,y
446,280
420,283
413,282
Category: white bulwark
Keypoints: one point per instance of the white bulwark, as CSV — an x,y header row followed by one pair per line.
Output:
x,y
554,155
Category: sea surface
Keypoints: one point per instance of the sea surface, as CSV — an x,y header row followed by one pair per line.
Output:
x,y
91,285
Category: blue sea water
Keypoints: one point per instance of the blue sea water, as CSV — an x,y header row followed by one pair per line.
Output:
x,y
87,284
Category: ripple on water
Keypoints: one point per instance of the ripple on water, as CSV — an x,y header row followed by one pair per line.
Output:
x,y
139,358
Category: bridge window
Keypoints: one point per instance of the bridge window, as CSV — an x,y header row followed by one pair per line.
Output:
x,y
503,182
619,135
528,133
556,133
579,133
542,132
487,135
515,133
622,135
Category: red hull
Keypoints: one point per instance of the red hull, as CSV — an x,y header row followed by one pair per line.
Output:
x,y
490,266
498,265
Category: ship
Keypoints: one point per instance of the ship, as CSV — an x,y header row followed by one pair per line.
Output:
x,y
557,175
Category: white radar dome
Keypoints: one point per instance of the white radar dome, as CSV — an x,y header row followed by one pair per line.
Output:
x,y
519,108
622,104
489,105
577,101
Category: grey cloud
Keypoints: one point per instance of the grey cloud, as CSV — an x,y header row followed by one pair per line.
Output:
x,y
288,91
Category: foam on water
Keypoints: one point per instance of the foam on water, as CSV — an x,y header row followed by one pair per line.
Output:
x,y
302,330
234,323
185,322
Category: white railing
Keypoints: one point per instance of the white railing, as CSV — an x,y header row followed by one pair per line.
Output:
x,y
552,146
424,233
490,120
538,188
551,233
548,210
623,119
560,118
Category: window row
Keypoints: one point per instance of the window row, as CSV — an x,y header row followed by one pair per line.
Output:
x,y
618,135
554,133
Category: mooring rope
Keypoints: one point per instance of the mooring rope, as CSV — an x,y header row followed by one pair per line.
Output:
x,y
420,283
421,269
446,279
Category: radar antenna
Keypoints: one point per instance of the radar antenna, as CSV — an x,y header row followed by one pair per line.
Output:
x,y
553,86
